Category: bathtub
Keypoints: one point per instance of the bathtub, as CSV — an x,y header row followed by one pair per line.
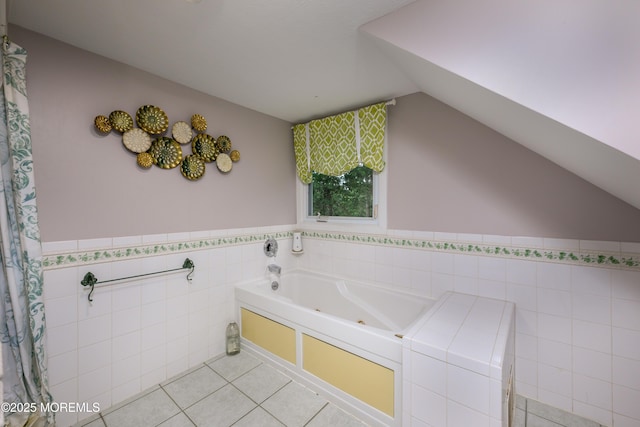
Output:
x,y
341,337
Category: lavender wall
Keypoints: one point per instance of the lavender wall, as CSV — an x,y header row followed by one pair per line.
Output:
x,y
449,173
89,186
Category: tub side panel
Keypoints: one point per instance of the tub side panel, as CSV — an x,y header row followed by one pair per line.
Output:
x,y
272,336
368,381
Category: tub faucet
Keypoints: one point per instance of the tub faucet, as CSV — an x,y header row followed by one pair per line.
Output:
x,y
276,269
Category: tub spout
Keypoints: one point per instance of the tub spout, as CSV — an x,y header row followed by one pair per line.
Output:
x,y
276,269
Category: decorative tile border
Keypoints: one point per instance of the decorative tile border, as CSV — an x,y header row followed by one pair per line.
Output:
x,y
581,257
87,257
613,259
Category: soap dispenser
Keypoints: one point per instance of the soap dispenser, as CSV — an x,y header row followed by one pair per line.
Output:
x,y
233,339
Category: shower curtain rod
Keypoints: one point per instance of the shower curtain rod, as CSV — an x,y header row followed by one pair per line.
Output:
x,y
91,280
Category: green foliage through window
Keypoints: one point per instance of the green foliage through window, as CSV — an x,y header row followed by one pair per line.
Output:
x,y
347,195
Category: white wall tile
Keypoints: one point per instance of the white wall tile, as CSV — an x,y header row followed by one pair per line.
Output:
x,y
442,262
557,380
626,372
555,353
524,296
554,328
591,308
459,415
625,402
492,268
623,421
61,311
441,283
592,412
465,265
94,356
63,282
592,363
63,367
592,391
465,285
125,370
521,272
94,383
592,280
429,373
93,330
593,336
429,407
61,246
62,339
125,346
468,388
125,321
626,343
553,276
555,302
626,313
492,289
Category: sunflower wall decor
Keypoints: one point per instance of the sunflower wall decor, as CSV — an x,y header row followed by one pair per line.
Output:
x,y
152,145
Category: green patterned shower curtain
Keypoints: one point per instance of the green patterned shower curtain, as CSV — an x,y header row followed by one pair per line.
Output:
x,y
22,327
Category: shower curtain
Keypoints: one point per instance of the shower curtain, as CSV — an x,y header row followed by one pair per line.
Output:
x,y
22,327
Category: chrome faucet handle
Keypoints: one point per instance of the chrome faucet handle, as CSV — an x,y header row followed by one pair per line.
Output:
x,y
274,268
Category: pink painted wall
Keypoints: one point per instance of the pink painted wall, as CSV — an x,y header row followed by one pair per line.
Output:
x,y
449,173
89,186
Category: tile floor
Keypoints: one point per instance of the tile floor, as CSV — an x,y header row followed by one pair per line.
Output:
x,y
242,391
238,391
530,413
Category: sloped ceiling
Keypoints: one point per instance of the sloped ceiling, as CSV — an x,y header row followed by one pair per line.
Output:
x,y
560,77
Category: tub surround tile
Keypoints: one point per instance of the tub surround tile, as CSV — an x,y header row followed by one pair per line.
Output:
x,y
471,339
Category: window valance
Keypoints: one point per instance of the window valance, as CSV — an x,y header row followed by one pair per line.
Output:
x,y
337,144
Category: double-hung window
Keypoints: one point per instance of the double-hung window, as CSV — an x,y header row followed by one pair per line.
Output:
x,y
340,166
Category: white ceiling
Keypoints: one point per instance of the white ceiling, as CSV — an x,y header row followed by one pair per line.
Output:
x,y
562,78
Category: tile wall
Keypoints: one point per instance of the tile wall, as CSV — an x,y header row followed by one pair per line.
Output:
x,y
577,306
138,333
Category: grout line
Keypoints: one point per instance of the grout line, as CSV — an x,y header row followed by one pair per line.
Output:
x,y
316,414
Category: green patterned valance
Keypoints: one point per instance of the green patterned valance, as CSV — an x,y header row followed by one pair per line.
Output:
x,y
336,144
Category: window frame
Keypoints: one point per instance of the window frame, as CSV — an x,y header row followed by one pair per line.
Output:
x,y
360,224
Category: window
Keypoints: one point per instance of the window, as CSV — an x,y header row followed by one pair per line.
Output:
x,y
374,222
348,195
341,168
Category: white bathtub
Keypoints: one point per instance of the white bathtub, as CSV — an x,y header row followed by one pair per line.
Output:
x,y
364,320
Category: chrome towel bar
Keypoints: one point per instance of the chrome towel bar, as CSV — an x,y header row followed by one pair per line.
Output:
x,y
91,280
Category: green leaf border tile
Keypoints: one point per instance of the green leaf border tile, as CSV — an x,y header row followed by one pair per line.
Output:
x,y
607,260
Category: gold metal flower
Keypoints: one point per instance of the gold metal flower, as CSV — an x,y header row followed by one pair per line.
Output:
x,y
121,120
102,124
152,119
199,123
144,160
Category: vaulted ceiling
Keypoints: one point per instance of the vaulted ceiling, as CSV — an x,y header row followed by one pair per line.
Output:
x,y
559,77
